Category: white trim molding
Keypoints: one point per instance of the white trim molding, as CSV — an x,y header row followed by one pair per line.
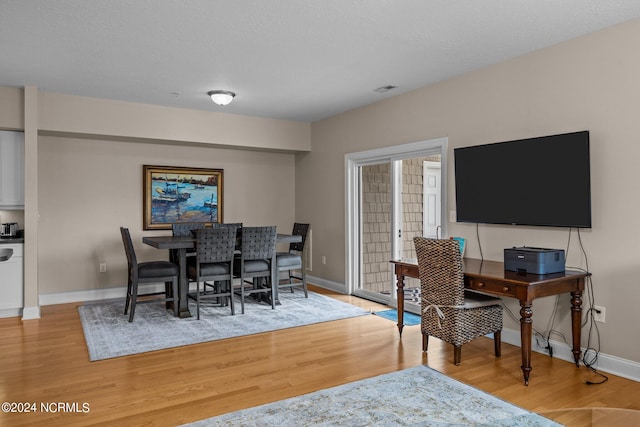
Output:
x,y
352,162
10,312
340,288
606,363
29,313
96,294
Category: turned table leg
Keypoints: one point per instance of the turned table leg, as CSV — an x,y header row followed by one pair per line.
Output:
x,y
526,313
576,319
400,296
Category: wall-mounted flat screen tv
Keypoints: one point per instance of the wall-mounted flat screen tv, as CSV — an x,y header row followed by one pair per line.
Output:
x,y
541,181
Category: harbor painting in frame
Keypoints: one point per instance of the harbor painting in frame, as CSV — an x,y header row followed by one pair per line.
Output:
x,y
181,195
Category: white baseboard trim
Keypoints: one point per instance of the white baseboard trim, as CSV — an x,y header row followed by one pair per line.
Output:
x,y
29,313
96,294
606,363
121,292
10,312
327,284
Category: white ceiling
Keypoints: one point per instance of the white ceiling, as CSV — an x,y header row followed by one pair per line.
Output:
x,y
299,60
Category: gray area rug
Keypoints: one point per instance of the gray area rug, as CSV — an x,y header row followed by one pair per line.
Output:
x,y
109,334
417,396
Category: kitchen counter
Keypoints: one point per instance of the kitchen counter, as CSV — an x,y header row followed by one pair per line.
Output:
x,y
11,240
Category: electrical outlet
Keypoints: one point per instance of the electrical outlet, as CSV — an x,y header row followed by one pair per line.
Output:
x,y
598,313
324,259
103,267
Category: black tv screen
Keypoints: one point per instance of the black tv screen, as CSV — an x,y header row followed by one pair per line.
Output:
x,y
538,181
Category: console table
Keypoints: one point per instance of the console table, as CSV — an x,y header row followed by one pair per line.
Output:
x,y
490,277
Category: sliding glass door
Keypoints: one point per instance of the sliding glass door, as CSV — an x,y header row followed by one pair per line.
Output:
x,y
393,199
376,231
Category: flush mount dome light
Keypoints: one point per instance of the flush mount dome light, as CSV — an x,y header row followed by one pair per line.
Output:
x,y
221,97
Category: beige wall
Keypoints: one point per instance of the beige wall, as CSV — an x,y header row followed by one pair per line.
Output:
x,y
588,83
86,178
11,108
89,188
64,114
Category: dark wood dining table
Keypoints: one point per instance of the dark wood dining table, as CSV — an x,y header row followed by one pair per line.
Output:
x,y
181,244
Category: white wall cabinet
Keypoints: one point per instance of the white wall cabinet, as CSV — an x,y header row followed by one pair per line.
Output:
x,y
11,170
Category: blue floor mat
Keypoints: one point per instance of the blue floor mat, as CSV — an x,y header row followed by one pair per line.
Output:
x,y
409,319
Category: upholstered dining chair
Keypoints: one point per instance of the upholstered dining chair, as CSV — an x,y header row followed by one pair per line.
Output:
x,y
449,312
257,262
215,249
292,262
148,272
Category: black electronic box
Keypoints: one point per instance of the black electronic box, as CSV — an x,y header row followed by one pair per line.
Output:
x,y
534,260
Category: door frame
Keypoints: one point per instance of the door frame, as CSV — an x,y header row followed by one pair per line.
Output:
x,y
352,192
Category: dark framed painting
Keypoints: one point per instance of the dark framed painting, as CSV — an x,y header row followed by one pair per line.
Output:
x,y
181,195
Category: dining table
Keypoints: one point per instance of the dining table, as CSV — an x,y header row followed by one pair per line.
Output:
x,y
181,244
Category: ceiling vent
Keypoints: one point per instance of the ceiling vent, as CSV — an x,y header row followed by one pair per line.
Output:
x,y
383,89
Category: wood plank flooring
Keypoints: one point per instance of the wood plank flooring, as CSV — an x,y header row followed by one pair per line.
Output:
x,y
46,361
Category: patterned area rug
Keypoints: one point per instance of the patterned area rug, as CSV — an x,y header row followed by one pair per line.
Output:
x,y
417,396
109,334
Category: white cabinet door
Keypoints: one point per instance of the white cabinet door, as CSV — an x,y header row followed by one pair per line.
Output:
x,y
11,278
11,170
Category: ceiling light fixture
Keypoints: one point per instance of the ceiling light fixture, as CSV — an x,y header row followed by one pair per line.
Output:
x,y
221,97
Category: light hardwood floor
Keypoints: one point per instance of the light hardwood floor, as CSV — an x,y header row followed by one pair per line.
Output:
x,y
46,361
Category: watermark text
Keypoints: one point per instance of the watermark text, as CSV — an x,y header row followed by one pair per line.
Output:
x,y
46,407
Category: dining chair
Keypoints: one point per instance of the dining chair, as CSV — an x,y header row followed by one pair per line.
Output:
x,y
184,229
449,312
238,227
292,261
148,272
257,263
215,249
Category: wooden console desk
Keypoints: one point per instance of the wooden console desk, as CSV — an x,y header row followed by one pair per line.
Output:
x,y
490,277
